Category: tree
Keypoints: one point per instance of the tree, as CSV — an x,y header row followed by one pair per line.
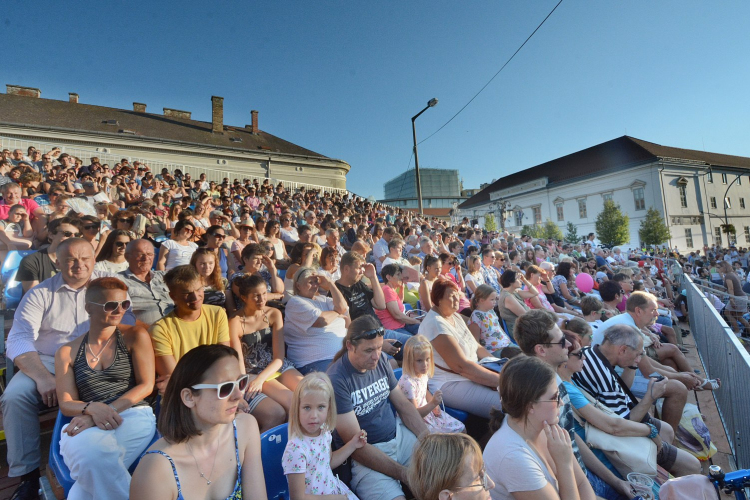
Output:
x,y
612,226
572,234
551,231
489,223
653,230
533,230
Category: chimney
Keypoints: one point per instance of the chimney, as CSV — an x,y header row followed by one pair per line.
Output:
x,y
23,91
73,97
176,113
139,107
217,114
254,114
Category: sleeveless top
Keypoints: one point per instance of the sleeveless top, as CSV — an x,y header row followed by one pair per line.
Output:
x,y
257,349
109,384
236,493
505,313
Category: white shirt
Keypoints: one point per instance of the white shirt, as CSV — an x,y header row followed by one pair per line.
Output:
x,y
434,325
289,235
50,315
305,343
380,249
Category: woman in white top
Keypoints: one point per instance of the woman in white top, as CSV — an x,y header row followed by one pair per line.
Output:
x,y
177,250
200,216
112,255
315,326
465,384
329,264
272,236
530,456
473,278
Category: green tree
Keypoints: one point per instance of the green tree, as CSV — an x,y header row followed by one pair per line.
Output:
x,y
572,235
533,230
653,230
551,230
489,222
612,226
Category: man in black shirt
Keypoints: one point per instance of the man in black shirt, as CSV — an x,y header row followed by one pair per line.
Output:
x,y
363,299
39,266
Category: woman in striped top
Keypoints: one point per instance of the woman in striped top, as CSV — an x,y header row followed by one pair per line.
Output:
x,y
102,379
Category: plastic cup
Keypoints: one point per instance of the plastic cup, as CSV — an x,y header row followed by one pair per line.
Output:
x,y
642,485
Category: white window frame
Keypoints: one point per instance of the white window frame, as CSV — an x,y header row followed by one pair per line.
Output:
x,y
641,199
689,237
582,209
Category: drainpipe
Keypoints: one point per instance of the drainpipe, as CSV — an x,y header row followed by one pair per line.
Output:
x,y
664,201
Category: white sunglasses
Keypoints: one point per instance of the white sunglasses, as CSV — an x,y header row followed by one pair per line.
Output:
x,y
225,389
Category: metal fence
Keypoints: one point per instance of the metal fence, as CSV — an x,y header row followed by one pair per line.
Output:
x,y
723,356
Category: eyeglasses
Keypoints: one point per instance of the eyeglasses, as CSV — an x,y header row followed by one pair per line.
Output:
x,y
219,236
121,244
556,398
225,389
128,220
69,234
580,354
562,343
90,227
485,484
370,334
112,305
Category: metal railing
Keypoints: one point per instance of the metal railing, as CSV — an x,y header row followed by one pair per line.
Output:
x,y
723,356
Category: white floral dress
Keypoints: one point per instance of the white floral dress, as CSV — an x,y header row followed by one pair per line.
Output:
x,y
415,389
491,335
311,455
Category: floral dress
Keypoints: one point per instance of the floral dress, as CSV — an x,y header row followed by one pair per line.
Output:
x,y
415,389
491,335
311,455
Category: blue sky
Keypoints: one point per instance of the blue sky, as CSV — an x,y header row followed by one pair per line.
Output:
x,y
344,78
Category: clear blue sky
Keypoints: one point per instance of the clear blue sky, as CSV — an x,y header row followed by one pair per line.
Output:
x,y
344,78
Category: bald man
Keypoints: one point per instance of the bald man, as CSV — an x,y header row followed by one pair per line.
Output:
x,y
49,315
146,287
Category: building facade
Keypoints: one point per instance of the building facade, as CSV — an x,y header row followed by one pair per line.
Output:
x,y
690,189
169,140
441,189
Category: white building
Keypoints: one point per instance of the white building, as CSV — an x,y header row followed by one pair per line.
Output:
x,y
688,187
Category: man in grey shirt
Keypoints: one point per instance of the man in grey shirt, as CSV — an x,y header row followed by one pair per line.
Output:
x,y
147,290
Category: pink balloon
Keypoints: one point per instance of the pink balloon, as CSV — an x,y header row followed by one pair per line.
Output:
x,y
585,282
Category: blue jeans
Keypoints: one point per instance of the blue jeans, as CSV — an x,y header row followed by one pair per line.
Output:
x,y
401,337
602,489
664,320
409,329
315,366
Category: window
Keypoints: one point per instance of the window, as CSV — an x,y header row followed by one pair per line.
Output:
x,y
582,209
723,178
739,180
742,202
519,218
607,197
717,235
683,195
639,198
710,176
713,202
727,202
747,234
560,216
689,238
537,215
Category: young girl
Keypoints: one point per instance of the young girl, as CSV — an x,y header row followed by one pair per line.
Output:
x,y
417,368
484,323
307,459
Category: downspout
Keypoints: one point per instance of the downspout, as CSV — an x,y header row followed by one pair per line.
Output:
x,y
664,201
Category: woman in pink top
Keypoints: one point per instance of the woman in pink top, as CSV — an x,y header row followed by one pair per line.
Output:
x,y
393,317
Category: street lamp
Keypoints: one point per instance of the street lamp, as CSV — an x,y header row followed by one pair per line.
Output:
x,y
431,103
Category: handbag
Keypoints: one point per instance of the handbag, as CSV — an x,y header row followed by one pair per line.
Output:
x,y
627,454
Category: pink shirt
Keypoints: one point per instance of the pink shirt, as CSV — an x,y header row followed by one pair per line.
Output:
x,y
29,204
384,314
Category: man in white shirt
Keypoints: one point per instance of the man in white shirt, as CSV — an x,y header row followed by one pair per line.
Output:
x,y
332,240
380,249
49,315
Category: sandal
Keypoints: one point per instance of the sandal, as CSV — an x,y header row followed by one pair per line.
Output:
x,y
709,384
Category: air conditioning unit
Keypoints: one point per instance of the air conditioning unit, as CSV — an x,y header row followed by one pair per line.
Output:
x,y
102,150
221,162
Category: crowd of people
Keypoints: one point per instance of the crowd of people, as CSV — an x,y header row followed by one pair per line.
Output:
x,y
216,311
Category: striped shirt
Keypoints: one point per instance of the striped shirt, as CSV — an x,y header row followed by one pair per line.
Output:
x,y
599,381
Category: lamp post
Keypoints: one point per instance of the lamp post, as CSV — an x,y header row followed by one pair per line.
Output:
x,y
726,218
432,102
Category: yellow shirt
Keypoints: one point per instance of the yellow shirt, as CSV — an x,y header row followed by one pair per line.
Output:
x,y
174,337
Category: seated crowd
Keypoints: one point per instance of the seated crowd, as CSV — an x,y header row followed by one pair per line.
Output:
x,y
214,312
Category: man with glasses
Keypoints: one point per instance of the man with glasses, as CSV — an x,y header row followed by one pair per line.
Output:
x,y
538,335
364,385
148,292
489,273
190,324
48,316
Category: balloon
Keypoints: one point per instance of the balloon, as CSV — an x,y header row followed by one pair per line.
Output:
x,y
584,282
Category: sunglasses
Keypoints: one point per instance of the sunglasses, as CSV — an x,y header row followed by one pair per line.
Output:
x,y
129,220
370,334
69,234
580,354
120,244
225,389
219,236
90,227
112,305
562,343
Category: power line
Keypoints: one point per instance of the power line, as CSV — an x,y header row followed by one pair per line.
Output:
x,y
493,76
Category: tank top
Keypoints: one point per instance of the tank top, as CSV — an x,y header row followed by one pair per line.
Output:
x,y
257,348
236,493
109,384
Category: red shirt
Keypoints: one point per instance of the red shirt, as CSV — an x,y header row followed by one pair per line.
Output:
x,y
29,204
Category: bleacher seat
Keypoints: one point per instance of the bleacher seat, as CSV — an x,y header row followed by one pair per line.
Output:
x,y
272,444
457,414
156,258
407,307
13,291
11,263
281,273
505,329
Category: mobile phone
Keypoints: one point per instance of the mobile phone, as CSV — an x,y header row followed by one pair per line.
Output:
x,y
397,344
657,377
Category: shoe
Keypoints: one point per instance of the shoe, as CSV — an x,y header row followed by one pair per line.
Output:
x,y
28,490
683,350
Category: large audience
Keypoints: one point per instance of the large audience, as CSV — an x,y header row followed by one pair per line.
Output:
x,y
215,311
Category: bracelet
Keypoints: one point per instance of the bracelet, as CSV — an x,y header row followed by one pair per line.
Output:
x,y
654,430
113,407
83,412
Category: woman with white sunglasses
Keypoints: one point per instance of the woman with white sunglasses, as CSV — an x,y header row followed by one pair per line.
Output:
x,y
207,448
102,379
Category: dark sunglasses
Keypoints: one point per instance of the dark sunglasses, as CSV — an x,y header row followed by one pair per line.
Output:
x,y
90,227
112,305
370,334
68,234
219,236
128,220
120,244
562,343
579,354
225,389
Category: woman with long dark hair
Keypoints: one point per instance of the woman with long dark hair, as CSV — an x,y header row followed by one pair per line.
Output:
x,y
112,254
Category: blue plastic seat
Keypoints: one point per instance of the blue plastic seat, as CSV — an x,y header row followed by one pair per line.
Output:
x,y
457,414
272,444
281,273
13,291
11,263
397,372
156,258
407,307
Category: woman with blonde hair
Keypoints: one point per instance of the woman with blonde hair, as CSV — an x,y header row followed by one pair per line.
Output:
x,y
447,466
474,277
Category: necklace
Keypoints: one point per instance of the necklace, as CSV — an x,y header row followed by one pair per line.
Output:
x,y
95,357
207,479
